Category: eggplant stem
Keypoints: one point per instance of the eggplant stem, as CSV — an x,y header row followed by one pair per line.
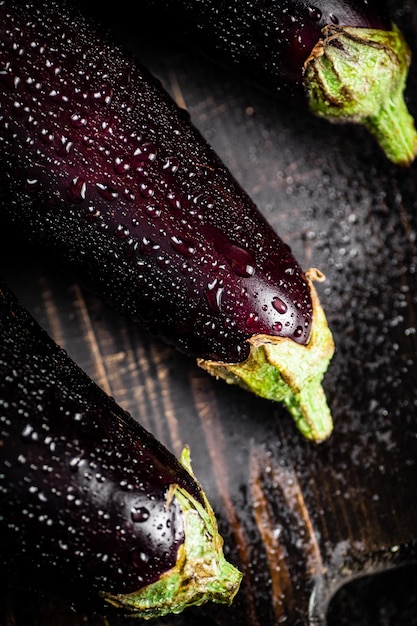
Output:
x,y
201,573
282,370
359,75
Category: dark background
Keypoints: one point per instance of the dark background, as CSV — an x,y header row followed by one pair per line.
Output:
x,y
307,524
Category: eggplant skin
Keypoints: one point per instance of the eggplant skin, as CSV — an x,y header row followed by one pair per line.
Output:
x,y
268,40
83,486
341,60
101,169
103,172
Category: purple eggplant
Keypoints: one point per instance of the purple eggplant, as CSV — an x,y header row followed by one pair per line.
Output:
x,y
101,169
345,59
92,506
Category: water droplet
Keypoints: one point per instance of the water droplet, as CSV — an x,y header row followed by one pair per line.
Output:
x,y
333,18
47,136
121,165
19,107
152,211
107,191
81,93
186,269
76,190
78,120
106,126
104,94
279,305
214,293
75,462
314,13
122,231
252,322
65,145
148,246
93,213
87,141
32,184
174,200
138,559
139,514
29,434
240,260
277,327
103,150
171,164
298,331
204,200
146,191
54,69
183,246
38,45
32,84
144,152
162,261
8,78
128,194
57,96
287,17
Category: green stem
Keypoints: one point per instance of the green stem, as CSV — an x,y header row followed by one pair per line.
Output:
x,y
201,573
280,369
359,75
393,128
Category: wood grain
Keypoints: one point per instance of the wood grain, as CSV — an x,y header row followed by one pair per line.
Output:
x,y
301,521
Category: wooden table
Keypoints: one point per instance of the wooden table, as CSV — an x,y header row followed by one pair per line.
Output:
x,y
300,520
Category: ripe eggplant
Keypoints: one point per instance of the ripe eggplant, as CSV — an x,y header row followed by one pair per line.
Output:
x,y
104,171
92,505
345,59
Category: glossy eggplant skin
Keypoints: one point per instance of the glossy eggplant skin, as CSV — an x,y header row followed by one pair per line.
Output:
x,y
81,482
267,40
342,60
85,504
101,168
105,173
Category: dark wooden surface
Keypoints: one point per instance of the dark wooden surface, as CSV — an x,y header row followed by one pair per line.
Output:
x,y
306,524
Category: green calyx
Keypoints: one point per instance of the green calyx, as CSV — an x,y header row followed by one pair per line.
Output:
x,y
359,75
280,369
201,573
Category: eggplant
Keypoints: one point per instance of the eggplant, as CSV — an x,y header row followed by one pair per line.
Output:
x,y
92,505
345,60
106,174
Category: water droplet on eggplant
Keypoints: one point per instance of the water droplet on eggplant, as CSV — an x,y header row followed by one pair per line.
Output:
x,y
107,191
121,165
252,322
314,13
279,305
214,293
76,190
185,247
139,514
78,121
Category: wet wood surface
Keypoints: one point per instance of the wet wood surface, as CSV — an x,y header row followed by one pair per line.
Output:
x,y
308,525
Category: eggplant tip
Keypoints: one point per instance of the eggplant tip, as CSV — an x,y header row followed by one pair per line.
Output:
x,y
201,574
281,370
